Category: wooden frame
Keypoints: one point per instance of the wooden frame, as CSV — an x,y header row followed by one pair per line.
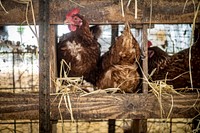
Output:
x,y
105,12
117,106
101,106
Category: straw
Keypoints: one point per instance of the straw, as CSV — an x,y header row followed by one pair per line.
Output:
x,y
3,7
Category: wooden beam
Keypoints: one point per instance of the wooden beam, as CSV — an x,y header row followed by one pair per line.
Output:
x,y
44,66
53,56
101,106
169,12
114,33
111,125
16,12
137,126
105,12
144,59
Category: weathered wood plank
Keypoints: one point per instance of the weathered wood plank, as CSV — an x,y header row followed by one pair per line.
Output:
x,y
105,11
17,13
170,11
101,106
44,67
53,56
145,58
98,11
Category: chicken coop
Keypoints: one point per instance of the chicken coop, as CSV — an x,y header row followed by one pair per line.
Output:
x,y
34,97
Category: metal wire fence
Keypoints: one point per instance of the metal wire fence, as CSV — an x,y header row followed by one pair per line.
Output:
x,y
19,71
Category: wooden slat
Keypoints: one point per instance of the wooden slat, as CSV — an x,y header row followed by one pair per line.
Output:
x,y
105,11
137,126
114,33
97,12
170,11
53,56
101,106
144,59
17,13
44,68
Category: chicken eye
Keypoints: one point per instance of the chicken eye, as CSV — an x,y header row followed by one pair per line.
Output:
x,y
76,18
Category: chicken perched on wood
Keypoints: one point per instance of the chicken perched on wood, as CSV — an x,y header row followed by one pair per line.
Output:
x,y
79,47
176,68
118,65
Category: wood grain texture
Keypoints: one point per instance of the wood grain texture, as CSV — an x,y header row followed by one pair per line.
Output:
x,y
53,56
101,106
106,11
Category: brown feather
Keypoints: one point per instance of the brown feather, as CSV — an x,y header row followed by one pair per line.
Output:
x,y
118,65
124,51
156,57
81,50
178,66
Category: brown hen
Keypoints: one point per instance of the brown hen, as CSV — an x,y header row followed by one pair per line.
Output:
x,y
118,65
79,48
176,68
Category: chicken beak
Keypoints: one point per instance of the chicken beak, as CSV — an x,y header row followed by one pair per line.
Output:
x,y
66,21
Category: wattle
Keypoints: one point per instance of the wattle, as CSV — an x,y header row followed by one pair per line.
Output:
x,y
72,27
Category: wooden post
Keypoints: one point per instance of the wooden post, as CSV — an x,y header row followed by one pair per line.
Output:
x,y
197,34
13,71
114,32
137,126
53,56
111,126
44,74
145,59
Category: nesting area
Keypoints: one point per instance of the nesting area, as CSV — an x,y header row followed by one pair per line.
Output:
x,y
117,66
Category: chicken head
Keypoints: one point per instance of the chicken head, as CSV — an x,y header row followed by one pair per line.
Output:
x,y
73,19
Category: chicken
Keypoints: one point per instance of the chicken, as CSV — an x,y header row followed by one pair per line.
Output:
x,y
156,56
176,68
96,31
79,48
118,65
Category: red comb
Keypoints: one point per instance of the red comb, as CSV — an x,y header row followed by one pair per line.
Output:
x,y
73,12
149,44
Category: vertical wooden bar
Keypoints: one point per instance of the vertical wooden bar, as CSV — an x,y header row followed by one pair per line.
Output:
x,y
44,74
197,34
143,126
145,59
53,56
13,71
15,126
114,32
195,124
54,126
111,126
137,126
31,70
140,126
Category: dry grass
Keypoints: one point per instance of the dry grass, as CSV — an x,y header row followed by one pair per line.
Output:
x,y
77,4
197,129
66,85
1,5
161,88
191,41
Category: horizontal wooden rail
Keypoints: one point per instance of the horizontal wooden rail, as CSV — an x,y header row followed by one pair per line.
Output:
x,y
104,12
101,106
